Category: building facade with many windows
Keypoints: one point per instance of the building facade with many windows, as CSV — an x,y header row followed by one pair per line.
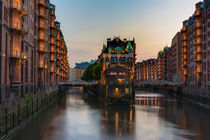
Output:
x,y
28,50
146,70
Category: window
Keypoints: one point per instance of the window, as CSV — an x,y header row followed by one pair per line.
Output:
x,y
107,59
115,60
112,59
124,59
120,59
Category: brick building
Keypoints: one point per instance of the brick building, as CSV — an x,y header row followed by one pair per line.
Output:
x,y
174,63
146,70
162,64
28,55
118,60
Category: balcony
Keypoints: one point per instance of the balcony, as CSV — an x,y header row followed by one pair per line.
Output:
x,y
16,6
53,59
52,25
198,69
184,29
52,42
20,28
198,59
197,13
42,66
43,49
18,55
198,25
52,50
52,70
43,38
199,49
43,26
198,32
43,14
43,3
53,34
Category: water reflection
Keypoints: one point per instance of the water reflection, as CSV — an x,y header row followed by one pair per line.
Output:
x,y
119,122
154,117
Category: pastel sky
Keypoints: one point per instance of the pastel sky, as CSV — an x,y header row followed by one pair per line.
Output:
x,y
87,24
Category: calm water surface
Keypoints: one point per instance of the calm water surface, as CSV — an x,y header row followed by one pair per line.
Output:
x,y
154,117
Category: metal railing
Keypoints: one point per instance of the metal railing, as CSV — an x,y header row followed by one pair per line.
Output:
x,y
33,105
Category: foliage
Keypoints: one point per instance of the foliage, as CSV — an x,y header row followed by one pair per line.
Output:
x,y
93,72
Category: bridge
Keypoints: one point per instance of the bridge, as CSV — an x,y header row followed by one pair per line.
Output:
x,y
156,83
77,83
109,93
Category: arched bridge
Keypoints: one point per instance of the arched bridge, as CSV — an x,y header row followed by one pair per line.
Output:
x,y
77,83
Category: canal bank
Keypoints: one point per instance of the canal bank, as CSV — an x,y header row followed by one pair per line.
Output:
x,y
32,105
79,117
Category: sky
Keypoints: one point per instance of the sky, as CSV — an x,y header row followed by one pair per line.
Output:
x,y
86,24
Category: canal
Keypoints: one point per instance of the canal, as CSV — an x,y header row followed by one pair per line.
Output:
x,y
154,117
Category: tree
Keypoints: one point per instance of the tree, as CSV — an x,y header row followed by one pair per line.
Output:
x,y
93,72
97,72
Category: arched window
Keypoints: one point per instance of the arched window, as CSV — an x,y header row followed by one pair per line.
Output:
x,y
112,59
120,59
115,60
124,59
107,59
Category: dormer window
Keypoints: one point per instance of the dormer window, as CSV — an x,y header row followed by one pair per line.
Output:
x,y
109,50
118,50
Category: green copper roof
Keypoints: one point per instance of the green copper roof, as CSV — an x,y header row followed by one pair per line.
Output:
x,y
118,48
129,46
202,6
51,7
58,25
187,24
167,48
161,53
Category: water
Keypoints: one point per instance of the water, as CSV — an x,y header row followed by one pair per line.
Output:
x,y
154,117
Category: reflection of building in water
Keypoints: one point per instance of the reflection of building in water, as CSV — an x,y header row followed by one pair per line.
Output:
x,y
187,117
151,100
74,99
119,121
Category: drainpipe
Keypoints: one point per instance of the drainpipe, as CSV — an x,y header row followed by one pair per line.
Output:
x,y
0,46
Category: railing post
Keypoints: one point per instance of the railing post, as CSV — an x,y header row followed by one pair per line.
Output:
x,y
18,114
27,109
6,121
32,105
13,119
107,88
37,104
